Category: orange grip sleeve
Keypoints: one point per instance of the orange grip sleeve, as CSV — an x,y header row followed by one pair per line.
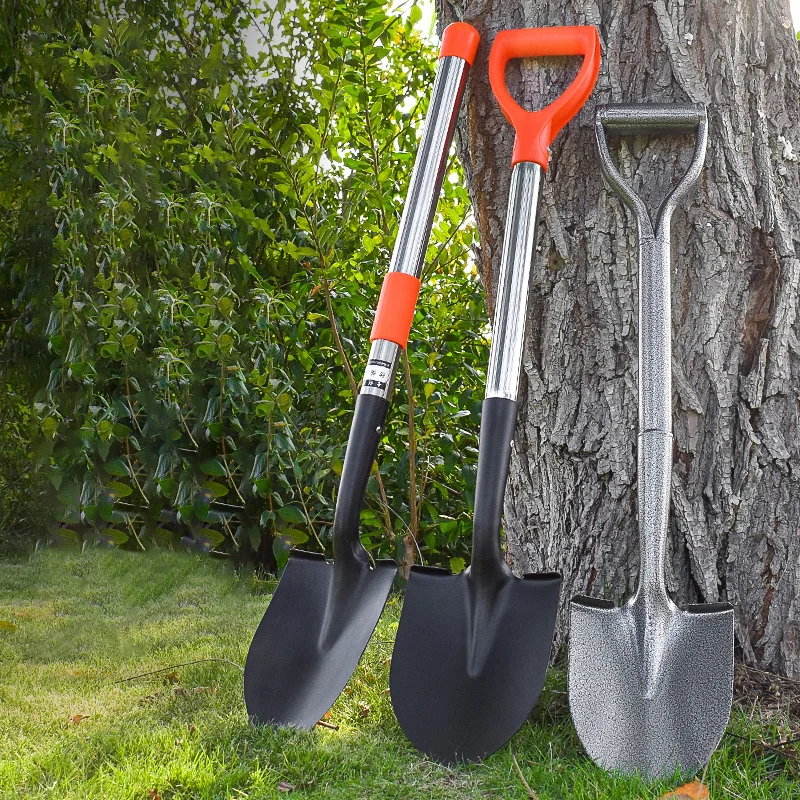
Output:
x,y
396,308
460,39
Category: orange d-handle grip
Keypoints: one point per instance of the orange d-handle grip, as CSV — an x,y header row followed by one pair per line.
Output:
x,y
535,130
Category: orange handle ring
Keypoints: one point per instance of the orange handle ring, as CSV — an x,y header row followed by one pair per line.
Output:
x,y
535,130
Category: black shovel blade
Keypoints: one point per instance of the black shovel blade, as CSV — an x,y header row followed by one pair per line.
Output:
x,y
470,659
311,638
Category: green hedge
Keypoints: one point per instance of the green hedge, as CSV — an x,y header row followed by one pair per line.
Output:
x,y
23,515
211,228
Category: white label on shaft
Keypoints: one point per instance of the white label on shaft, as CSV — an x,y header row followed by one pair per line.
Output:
x,y
378,373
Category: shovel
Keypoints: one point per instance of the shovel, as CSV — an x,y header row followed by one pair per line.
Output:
x,y
472,649
650,685
322,615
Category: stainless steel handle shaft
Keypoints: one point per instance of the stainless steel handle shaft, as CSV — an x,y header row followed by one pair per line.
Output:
x,y
429,168
519,242
415,224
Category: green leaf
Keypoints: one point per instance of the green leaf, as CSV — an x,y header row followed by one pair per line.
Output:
x,y
254,537
58,344
296,536
291,514
167,486
215,489
106,510
209,537
457,565
79,369
118,466
280,548
119,489
262,486
201,509
312,134
49,426
114,536
213,466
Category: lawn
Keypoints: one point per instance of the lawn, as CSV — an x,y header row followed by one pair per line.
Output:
x,y
74,626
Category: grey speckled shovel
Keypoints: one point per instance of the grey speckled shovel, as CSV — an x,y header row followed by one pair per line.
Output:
x,y
650,685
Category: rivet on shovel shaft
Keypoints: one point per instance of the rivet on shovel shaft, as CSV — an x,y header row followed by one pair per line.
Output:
x,y
472,649
322,615
651,685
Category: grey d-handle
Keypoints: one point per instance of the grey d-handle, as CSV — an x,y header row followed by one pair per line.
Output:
x,y
655,324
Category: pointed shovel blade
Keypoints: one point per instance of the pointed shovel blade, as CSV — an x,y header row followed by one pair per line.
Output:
x,y
311,638
652,710
469,660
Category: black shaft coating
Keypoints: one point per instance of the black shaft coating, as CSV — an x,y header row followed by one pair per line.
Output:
x,y
498,419
362,446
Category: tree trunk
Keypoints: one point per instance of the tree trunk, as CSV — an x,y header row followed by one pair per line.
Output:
x,y
571,497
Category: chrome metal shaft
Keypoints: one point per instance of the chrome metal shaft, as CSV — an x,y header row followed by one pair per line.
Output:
x,y
519,242
415,224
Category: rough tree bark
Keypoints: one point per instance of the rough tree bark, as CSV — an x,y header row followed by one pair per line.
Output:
x,y
571,498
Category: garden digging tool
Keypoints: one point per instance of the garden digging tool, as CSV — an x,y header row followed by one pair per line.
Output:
x,y
650,685
322,615
472,649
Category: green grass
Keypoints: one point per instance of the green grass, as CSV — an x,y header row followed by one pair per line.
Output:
x,y
82,622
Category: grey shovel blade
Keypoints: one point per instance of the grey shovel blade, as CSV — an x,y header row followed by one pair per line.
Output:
x,y
470,659
653,709
311,638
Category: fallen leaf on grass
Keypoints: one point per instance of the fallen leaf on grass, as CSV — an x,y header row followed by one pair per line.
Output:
x,y
363,709
286,787
7,626
153,794
171,677
689,791
76,719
